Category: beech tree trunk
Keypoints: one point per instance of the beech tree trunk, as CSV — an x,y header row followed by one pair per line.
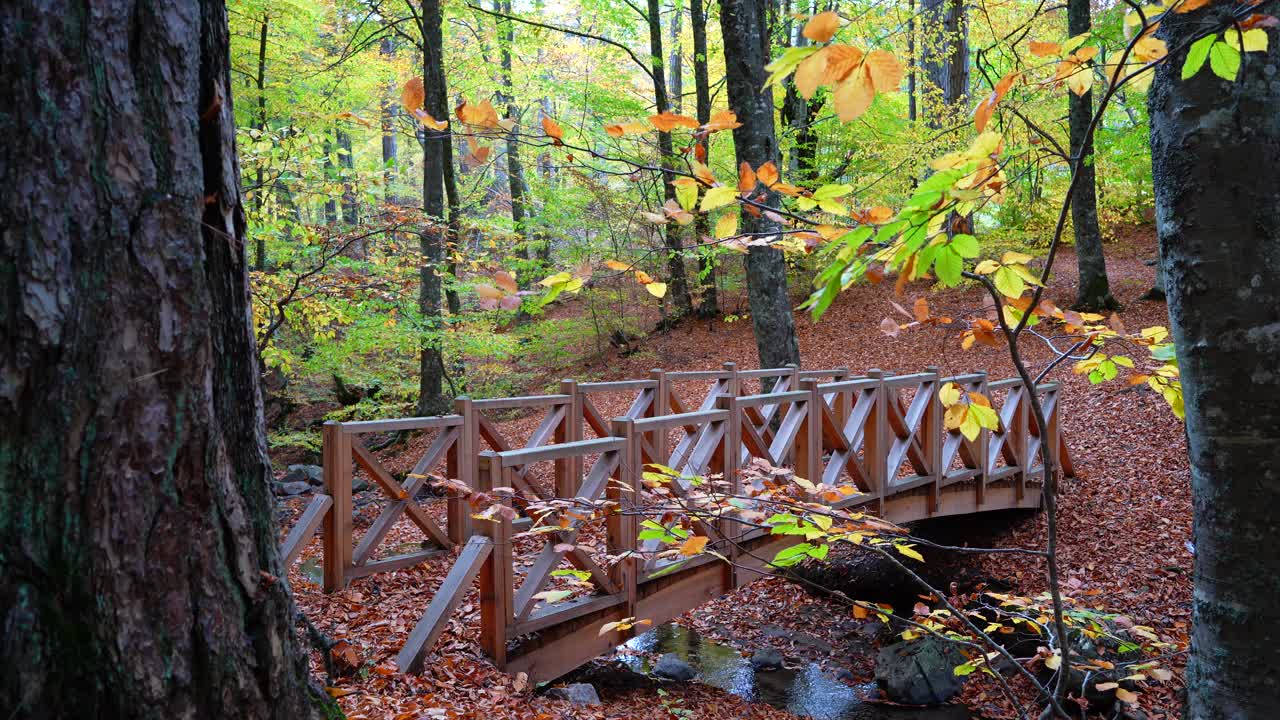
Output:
x,y
944,57
677,282
347,160
515,168
139,571
708,301
1093,293
1215,148
431,397
390,144
746,51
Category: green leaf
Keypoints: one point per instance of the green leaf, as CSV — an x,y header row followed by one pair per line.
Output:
x,y
966,246
965,669
1224,60
827,192
1008,282
948,265
1196,56
787,62
668,569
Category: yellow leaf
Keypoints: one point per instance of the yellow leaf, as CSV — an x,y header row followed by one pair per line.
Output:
x,y
1080,80
1015,258
954,417
694,545
970,427
854,96
1150,49
1126,696
727,225
1053,662
884,69
703,174
949,394
909,552
656,289
631,128
1254,40
718,197
822,27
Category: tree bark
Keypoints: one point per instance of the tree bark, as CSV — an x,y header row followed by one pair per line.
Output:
x,y
140,575
677,282
708,301
515,168
800,115
746,50
1093,292
944,58
675,62
260,123
1215,148
431,397
347,161
390,144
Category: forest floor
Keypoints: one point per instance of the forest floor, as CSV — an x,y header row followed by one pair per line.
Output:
x,y
1125,522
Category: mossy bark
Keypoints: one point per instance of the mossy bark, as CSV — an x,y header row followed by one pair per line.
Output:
x,y
139,569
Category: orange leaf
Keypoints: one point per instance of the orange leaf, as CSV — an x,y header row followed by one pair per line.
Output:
x,y
884,69
703,174
552,129
768,174
480,114
412,94
810,72
723,120
618,266
505,281
1187,6
841,60
889,327
643,277
625,129
822,27
1045,49
854,96
694,545
668,121
920,310
746,179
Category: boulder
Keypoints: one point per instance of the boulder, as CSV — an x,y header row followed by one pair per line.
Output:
x,y
292,488
919,672
766,659
671,667
576,693
313,474
359,485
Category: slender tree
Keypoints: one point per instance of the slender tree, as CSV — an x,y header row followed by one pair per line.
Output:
x,y
708,301
431,397
138,546
1093,292
260,124
389,108
677,282
1215,148
746,51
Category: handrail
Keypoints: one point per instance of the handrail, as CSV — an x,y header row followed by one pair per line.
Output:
x,y
577,448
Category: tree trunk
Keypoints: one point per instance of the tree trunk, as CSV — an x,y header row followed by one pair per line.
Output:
x,y
431,397
346,159
746,50
390,146
1093,292
260,190
330,204
515,168
800,115
675,63
1216,163
944,58
677,282
708,302
141,572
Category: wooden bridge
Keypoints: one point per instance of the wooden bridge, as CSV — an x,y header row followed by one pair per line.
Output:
x,y
882,433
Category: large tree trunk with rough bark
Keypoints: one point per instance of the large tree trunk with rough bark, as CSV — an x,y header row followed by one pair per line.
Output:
x,y
1093,292
677,282
943,38
746,51
431,397
140,574
1215,147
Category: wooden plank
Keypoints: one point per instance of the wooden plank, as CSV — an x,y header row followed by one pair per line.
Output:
x,y
562,612
306,526
393,425
443,603
525,401
337,483
525,456
395,562
615,386
666,422
419,516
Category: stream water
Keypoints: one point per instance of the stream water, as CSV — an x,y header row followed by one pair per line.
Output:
x,y
809,691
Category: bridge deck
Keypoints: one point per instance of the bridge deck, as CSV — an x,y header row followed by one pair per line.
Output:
x,y
881,436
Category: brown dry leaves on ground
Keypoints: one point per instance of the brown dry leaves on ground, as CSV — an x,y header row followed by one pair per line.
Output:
x,y
1125,523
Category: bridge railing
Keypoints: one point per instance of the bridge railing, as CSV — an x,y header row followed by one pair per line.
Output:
x,y
883,434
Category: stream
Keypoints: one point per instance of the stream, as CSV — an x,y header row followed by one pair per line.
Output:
x,y
809,691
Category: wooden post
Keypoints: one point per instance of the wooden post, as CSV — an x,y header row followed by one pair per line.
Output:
x,y
931,429
495,574
732,529
840,406
464,449
984,448
337,527
876,443
809,441
569,470
623,526
731,383
1021,438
